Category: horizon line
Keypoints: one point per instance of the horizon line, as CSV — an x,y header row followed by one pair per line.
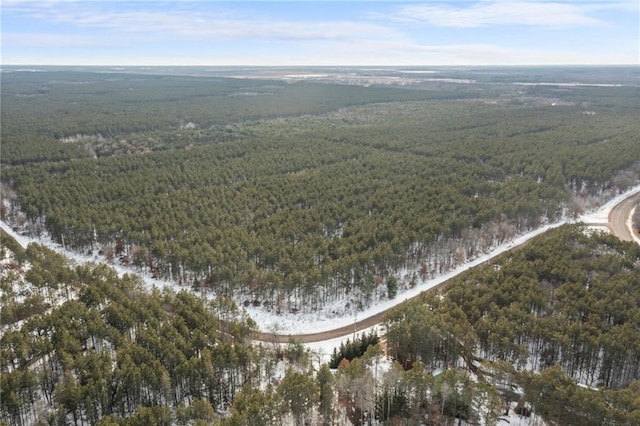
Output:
x,y
325,66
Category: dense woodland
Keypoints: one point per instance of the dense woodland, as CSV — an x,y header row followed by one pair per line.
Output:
x,y
104,347
566,304
106,351
295,195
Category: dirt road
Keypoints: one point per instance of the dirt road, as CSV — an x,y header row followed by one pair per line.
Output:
x,y
618,217
617,224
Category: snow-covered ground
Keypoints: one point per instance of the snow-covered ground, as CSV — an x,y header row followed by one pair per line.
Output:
x,y
78,258
321,351
601,215
337,314
630,225
518,420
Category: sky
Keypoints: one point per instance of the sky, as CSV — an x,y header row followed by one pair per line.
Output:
x,y
307,33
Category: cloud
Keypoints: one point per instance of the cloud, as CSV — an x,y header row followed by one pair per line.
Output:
x,y
48,40
195,24
491,13
397,53
207,33
338,53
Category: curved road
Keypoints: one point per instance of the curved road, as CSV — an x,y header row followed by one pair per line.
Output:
x,y
618,217
617,223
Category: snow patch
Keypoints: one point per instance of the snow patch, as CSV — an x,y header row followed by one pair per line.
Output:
x,y
634,235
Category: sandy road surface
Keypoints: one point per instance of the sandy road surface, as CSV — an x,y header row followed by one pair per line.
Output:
x,y
618,217
323,335
617,223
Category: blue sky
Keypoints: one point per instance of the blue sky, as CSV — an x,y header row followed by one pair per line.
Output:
x,y
486,32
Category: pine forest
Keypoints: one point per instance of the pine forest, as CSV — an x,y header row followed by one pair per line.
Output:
x,y
294,197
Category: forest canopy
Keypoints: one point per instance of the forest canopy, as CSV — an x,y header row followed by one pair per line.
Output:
x,y
105,350
294,195
564,309
103,346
